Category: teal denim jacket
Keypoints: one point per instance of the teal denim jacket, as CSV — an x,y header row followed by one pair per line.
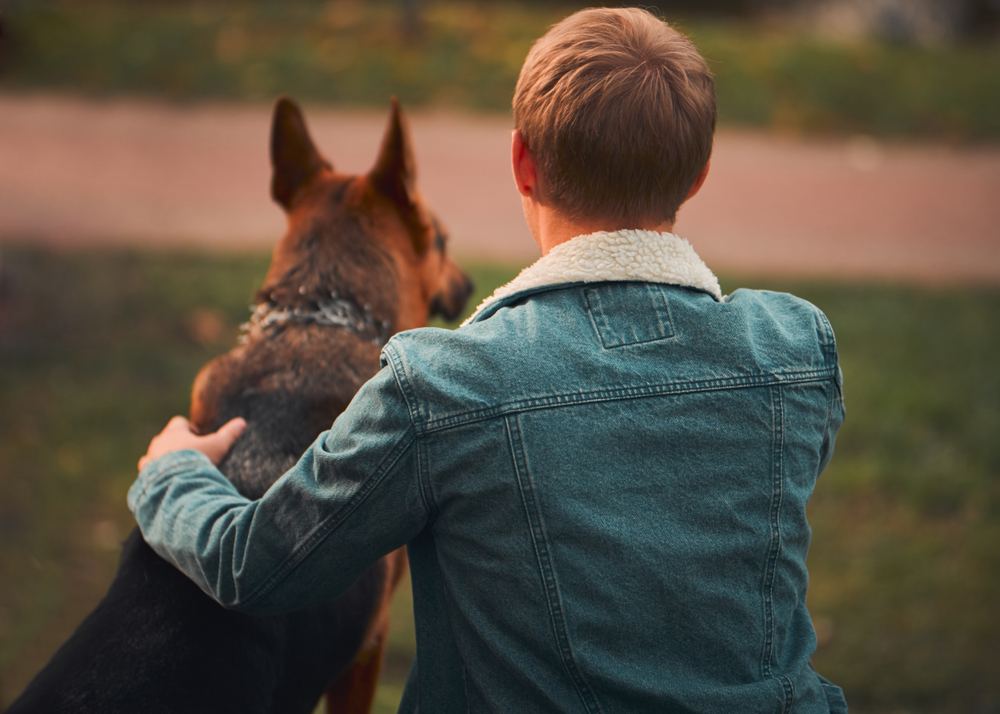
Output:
x,y
601,480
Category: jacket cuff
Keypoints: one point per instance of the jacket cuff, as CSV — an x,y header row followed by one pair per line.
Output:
x,y
174,463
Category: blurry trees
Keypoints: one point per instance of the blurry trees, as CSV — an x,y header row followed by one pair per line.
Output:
x,y
899,21
919,22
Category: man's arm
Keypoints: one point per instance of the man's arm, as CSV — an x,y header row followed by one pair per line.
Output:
x,y
352,497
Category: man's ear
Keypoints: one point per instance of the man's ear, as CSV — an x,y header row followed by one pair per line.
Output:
x,y
523,165
395,170
294,158
700,181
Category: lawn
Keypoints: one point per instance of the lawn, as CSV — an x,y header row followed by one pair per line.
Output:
x,y
97,348
469,53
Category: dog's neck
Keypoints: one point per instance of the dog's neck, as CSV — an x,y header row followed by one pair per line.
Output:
x,y
330,309
335,279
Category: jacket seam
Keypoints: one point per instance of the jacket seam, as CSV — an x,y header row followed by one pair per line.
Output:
x,y
410,399
612,394
774,541
423,477
552,597
828,339
774,546
657,293
828,343
330,524
451,630
788,690
593,307
405,388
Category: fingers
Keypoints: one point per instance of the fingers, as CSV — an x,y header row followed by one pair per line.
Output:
x,y
217,444
232,429
177,435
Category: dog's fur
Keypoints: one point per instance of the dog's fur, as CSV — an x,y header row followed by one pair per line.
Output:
x,y
156,643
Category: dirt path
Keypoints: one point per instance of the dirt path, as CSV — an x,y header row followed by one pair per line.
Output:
x,y
77,172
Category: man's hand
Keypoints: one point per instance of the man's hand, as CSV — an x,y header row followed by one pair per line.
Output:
x,y
177,435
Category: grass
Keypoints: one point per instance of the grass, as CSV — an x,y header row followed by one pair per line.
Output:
x,y
469,54
97,348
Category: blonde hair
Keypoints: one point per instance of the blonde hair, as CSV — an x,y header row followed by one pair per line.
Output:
x,y
618,110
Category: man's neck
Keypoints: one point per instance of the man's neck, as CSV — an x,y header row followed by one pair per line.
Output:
x,y
552,228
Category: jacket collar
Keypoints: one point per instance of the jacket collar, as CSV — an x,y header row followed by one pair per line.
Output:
x,y
625,255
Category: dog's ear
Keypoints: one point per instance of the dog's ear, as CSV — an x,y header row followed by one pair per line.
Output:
x,y
395,170
294,158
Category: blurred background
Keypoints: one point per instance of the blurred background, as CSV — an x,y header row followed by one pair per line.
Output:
x,y
857,164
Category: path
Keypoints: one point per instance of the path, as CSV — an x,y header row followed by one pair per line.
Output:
x,y
76,172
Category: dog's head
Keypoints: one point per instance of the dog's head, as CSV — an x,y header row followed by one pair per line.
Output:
x,y
359,228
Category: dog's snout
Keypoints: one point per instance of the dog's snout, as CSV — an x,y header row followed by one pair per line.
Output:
x,y
468,287
451,304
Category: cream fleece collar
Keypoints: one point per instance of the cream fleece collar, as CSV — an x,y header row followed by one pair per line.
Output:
x,y
647,256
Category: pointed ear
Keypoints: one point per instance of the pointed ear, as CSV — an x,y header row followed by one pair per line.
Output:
x,y
395,170
294,158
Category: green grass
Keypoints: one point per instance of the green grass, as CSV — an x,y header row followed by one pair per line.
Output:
x,y
98,348
469,54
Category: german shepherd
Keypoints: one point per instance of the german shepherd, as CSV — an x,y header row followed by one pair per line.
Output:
x,y
362,258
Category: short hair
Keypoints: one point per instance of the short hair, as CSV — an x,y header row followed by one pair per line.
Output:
x,y
618,109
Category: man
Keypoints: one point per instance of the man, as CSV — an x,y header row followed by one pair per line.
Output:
x,y
601,476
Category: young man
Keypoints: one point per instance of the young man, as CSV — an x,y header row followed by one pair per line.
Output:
x,y
602,476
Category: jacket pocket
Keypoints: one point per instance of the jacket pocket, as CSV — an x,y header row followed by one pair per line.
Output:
x,y
629,314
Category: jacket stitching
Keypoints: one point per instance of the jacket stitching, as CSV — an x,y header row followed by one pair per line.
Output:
x,y
328,525
827,338
828,343
423,478
409,398
465,688
451,629
552,597
604,395
662,310
399,372
594,312
789,691
774,544
448,619
774,547
829,432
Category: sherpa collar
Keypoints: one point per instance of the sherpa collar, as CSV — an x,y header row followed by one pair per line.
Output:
x,y
646,256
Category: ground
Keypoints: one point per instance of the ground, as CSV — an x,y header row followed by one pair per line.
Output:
x,y
124,171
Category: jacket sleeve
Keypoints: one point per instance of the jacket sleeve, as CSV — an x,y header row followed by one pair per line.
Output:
x,y
353,496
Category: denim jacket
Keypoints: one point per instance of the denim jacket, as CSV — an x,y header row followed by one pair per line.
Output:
x,y
601,479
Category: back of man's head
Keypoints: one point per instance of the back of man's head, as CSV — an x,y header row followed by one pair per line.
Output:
x,y
618,110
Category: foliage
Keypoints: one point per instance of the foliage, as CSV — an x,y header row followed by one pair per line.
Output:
x,y
98,348
468,54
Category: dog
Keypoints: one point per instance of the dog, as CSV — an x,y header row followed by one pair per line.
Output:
x,y
362,258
